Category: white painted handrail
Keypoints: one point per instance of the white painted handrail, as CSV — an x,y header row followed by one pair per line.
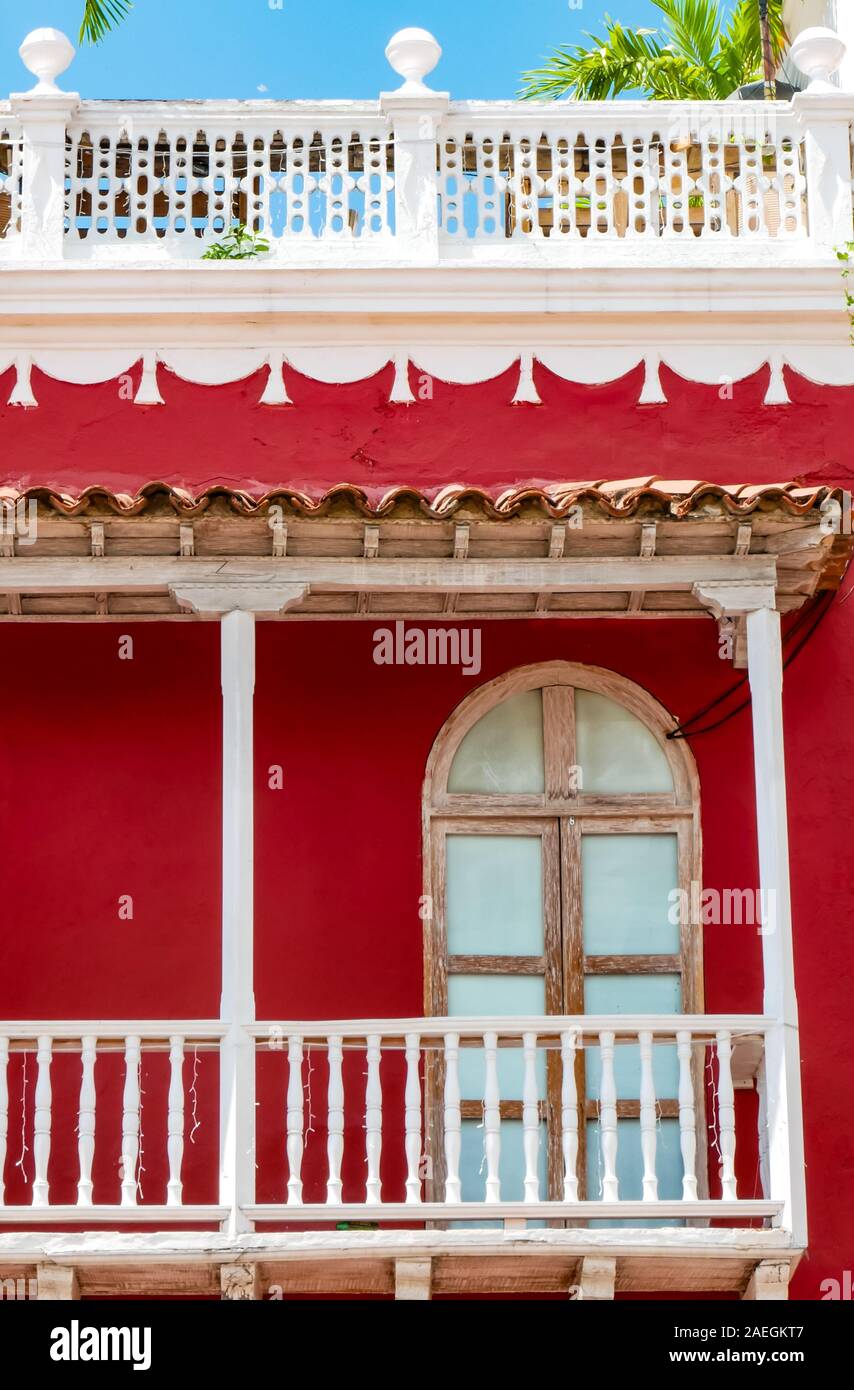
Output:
x,y
92,1042
488,1162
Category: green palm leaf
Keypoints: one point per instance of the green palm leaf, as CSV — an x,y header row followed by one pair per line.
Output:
x,y
693,57
99,16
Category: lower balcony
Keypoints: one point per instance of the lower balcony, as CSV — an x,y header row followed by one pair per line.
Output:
x,y
494,1154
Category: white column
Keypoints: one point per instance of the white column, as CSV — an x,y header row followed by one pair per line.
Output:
x,y
782,1051
237,1007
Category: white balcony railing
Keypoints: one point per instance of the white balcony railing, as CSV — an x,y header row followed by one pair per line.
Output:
x,y
415,179
388,1120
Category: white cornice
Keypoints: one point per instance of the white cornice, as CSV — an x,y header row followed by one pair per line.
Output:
x,y
787,292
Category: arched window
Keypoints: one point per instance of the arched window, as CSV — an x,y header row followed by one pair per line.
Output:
x,y
561,827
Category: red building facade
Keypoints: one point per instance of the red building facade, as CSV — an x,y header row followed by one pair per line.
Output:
x,y
424,800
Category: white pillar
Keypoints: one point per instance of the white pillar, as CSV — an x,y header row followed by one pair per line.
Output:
x,y
826,123
237,1007
416,111
44,113
782,1052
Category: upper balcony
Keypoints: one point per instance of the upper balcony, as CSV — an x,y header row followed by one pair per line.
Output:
x,y
414,179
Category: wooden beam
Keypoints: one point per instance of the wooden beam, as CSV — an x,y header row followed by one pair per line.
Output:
x,y
602,574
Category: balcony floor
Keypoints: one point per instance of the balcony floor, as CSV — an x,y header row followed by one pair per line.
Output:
x,y
371,1263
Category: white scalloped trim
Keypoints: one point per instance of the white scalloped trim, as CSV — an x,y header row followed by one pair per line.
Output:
x,y
589,365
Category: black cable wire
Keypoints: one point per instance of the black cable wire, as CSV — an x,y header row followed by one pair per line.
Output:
x,y
823,610
719,699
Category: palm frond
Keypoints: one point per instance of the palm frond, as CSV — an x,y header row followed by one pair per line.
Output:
x,y
693,59
694,27
99,16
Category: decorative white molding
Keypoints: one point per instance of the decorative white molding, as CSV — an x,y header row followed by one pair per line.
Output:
x,y
591,364
238,596
734,599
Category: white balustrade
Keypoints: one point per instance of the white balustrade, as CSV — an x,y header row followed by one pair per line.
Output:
x,y
150,174
96,1045
605,171
411,1108
412,173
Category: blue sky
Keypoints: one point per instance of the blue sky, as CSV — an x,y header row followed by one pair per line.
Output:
x,y
307,48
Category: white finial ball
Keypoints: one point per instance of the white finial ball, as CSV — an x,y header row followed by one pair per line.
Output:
x,y
413,53
47,53
818,53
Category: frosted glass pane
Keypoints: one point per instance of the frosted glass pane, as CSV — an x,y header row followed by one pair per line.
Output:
x,y
615,751
494,895
626,882
504,750
511,1164
496,996
633,994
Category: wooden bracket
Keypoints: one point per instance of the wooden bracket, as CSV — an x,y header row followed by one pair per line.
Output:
x,y
412,1280
57,1283
240,1283
769,1281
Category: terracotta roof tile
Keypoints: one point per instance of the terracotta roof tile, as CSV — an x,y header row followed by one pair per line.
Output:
x,y
615,497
